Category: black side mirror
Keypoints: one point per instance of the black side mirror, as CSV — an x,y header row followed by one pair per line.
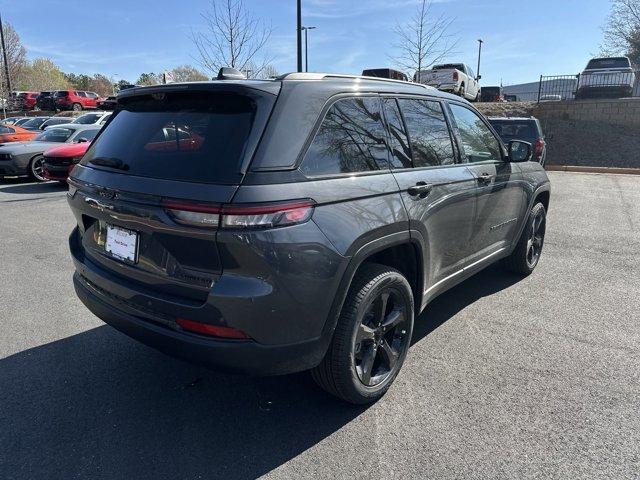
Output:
x,y
82,140
478,77
519,151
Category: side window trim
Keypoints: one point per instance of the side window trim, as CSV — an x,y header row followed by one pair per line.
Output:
x,y
459,139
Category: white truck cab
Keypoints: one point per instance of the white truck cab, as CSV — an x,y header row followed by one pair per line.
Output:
x,y
455,78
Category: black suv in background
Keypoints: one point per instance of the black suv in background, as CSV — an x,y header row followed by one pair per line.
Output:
x,y
527,129
270,227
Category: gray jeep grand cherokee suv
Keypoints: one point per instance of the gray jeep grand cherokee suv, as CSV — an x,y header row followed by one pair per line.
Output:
x,y
270,227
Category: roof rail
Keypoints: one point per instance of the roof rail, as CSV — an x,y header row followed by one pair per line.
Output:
x,y
322,76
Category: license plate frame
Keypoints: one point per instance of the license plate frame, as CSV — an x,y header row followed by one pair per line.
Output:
x,y
126,248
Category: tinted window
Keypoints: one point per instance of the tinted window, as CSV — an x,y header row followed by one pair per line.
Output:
x,y
55,121
87,135
352,138
398,141
212,133
478,141
430,139
449,66
609,63
55,135
4,129
88,118
61,93
511,130
34,122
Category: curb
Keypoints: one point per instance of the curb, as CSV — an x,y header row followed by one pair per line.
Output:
x,y
569,168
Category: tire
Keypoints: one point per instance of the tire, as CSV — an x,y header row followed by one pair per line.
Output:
x,y
76,107
525,257
36,169
371,338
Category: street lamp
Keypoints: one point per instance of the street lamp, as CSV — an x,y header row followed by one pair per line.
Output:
x,y
306,47
480,42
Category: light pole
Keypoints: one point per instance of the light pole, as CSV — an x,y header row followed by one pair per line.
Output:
x,y
480,42
306,47
299,35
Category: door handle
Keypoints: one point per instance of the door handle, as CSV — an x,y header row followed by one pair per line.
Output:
x,y
485,178
420,189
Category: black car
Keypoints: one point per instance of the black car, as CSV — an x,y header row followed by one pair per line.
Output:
x,y
46,101
275,226
526,129
108,103
492,94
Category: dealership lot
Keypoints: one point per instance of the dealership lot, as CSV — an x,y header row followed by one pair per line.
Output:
x,y
507,378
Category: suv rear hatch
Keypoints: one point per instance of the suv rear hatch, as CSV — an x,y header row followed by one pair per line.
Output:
x,y
145,192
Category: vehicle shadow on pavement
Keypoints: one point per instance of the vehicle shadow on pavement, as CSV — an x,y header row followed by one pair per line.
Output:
x,y
487,282
23,187
99,405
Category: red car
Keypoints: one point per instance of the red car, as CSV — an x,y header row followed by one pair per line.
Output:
x,y
27,100
75,100
59,161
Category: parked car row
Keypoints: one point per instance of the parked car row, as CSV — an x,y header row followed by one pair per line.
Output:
x,y
57,100
30,151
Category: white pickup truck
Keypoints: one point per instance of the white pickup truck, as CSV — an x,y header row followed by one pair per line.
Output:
x,y
456,78
606,77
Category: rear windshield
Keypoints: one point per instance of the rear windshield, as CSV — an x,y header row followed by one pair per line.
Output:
x,y
621,62
449,66
195,136
514,130
34,122
88,118
55,135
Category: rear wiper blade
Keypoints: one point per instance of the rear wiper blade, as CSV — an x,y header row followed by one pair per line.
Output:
x,y
110,162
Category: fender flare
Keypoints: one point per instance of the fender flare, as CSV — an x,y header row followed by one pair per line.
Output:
x,y
358,258
545,187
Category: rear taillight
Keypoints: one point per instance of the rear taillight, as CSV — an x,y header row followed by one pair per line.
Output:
x,y
539,146
243,216
194,214
455,76
212,330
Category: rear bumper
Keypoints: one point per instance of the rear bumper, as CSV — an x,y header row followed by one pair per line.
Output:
x,y
287,337
604,90
234,356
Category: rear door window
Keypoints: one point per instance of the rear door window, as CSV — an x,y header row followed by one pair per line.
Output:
x,y
398,137
352,138
429,134
478,142
191,136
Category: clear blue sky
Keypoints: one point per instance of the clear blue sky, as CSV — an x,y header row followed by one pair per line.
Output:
x,y
123,38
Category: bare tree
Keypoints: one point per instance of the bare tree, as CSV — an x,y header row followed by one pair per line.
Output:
x,y
622,30
424,40
16,58
233,38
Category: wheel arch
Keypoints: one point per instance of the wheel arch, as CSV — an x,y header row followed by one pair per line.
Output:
x,y
399,250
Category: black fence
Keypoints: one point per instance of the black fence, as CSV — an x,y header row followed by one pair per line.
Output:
x,y
571,87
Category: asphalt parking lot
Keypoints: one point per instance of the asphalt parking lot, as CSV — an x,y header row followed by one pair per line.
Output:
x,y
507,378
